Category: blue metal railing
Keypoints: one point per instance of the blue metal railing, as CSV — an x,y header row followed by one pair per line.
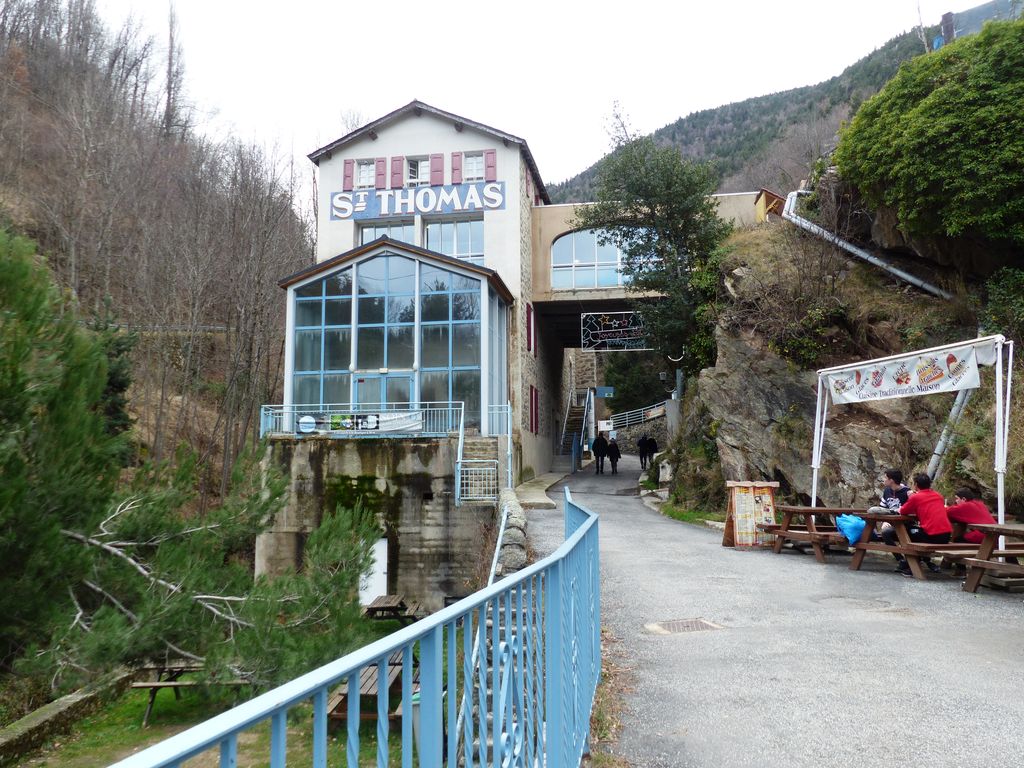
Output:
x,y
530,696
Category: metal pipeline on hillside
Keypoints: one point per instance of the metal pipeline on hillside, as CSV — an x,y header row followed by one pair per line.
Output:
x,y
789,214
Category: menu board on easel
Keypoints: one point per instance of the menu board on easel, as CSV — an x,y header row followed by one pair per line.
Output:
x,y
749,504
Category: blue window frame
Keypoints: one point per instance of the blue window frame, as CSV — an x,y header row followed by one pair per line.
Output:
x,y
374,308
323,341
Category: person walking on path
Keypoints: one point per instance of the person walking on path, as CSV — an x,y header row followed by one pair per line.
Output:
x,y
652,450
614,454
600,449
641,448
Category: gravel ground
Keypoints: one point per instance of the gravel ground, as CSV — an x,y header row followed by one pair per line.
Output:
x,y
815,665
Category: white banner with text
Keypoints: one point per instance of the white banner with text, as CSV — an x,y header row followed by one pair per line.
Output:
x,y
918,374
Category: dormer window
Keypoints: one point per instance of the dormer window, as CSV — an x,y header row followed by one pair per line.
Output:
x,y
473,166
418,171
365,174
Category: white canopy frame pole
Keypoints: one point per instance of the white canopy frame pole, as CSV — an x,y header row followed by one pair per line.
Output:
x,y
1003,400
820,413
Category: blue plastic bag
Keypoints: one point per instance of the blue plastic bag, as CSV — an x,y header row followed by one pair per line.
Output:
x,y
851,527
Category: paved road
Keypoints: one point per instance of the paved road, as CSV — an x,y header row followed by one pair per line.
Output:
x,y
816,665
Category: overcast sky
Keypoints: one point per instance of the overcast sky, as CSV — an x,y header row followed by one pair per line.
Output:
x,y
286,73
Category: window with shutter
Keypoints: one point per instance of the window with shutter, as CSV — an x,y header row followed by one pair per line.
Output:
x,y
365,170
473,167
419,171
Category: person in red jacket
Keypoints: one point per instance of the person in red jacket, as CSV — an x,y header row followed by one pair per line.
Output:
x,y
933,526
968,508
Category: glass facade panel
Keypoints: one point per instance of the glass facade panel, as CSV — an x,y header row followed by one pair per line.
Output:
x,y
386,333
337,349
584,247
308,313
338,312
466,387
561,251
466,344
306,390
584,277
401,309
370,349
371,309
401,275
607,277
434,346
307,350
337,389
398,389
400,346
466,306
372,275
561,279
340,283
310,289
434,387
433,279
434,307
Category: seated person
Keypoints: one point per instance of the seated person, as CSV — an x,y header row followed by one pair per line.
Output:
x,y
894,495
968,508
933,527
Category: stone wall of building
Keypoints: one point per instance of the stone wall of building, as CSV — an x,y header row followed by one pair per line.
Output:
x,y
433,546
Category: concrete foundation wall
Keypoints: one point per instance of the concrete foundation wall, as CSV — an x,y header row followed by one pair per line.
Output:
x,y
433,547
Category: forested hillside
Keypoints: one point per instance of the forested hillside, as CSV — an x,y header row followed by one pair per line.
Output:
x,y
144,220
770,140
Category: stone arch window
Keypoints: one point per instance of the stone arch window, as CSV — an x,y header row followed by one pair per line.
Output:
x,y
579,261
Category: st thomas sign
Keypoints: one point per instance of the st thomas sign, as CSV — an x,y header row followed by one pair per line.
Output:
x,y
451,198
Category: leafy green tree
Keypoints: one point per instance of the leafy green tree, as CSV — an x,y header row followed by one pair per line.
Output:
x,y
97,575
57,459
634,375
943,142
655,205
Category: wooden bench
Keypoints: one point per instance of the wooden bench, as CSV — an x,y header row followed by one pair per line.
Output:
x,y
988,551
819,536
337,704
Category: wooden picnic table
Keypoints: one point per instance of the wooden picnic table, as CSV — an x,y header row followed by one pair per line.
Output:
x,y
819,536
392,607
988,554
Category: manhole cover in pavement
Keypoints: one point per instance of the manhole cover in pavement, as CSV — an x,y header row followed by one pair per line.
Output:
x,y
678,626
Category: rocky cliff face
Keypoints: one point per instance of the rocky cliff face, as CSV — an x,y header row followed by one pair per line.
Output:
x,y
762,417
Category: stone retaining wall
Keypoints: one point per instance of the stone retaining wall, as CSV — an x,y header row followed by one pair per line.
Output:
x,y
57,717
513,555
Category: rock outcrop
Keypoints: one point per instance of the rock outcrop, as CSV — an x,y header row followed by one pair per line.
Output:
x,y
762,412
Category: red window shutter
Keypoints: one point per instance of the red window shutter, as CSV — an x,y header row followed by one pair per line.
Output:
x,y
529,327
490,165
456,167
436,170
382,173
536,410
397,171
350,170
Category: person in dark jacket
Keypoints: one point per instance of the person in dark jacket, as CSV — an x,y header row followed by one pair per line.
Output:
x,y
641,448
614,454
652,450
600,450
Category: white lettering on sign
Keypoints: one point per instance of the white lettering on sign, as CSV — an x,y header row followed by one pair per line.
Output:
x,y
452,198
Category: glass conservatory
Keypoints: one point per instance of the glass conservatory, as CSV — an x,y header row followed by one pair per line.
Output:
x,y
390,328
